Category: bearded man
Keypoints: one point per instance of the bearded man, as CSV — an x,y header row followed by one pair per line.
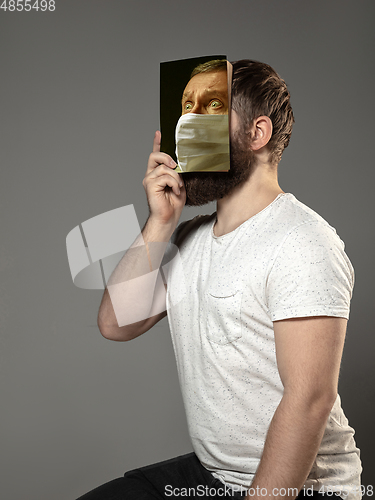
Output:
x,y
259,333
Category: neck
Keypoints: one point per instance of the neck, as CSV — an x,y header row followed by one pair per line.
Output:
x,y
247,200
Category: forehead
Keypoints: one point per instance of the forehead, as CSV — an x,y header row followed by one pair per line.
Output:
x,y
207,82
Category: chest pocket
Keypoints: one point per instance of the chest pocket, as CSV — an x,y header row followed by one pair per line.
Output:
x,y
223,315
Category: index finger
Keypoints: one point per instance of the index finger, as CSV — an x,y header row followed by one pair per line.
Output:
x,y
157,140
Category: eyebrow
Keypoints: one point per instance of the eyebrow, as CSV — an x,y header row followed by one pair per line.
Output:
x,y
208,93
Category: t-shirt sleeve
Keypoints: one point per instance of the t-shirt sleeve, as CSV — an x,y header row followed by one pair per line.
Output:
x,y
310,275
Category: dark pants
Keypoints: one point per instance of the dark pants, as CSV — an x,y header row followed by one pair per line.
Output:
x,y
179,477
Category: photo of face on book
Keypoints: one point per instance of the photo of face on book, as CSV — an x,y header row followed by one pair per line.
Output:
x,y
194,104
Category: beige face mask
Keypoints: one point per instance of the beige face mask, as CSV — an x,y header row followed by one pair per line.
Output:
x,y
202,143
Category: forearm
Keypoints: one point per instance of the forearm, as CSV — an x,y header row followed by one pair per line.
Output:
x,y
292,443
135,289
145,254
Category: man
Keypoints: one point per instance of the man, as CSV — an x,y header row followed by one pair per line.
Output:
x,y
202,132
259,333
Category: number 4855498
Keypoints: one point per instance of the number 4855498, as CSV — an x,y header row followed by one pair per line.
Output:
x,y
27,5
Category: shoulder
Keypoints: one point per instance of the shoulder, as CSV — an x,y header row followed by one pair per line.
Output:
x,y
307,237
300,226
187,230
185,233
291,213
290,229
295,225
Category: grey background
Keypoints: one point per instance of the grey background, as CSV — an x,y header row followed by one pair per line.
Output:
x,y
79,92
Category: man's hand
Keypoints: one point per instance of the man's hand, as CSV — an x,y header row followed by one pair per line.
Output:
x,y
164,188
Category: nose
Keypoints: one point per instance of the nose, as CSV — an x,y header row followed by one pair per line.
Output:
x,y
199,109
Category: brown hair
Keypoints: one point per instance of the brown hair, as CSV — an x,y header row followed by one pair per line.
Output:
x,y
257,90
214,65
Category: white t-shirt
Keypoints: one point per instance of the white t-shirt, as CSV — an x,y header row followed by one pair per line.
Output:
x,y
223,295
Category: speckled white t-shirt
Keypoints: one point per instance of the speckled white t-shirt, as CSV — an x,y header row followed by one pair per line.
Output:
x,y
284,262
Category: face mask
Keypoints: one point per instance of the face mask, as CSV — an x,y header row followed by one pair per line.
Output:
x,y
202,143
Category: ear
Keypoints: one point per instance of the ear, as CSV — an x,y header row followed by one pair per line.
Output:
x,y
260,132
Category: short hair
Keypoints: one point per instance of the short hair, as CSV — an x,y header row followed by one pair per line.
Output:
x,y
257,90
207,67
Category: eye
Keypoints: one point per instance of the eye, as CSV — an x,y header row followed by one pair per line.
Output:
x,y
216,104
188,106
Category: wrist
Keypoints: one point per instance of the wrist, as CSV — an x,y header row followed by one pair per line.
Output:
x,y
156,230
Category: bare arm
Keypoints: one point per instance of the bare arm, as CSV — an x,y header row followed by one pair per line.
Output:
x,y
308,354
135,289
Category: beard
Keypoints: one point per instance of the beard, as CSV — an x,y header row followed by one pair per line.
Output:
x,y
203,187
